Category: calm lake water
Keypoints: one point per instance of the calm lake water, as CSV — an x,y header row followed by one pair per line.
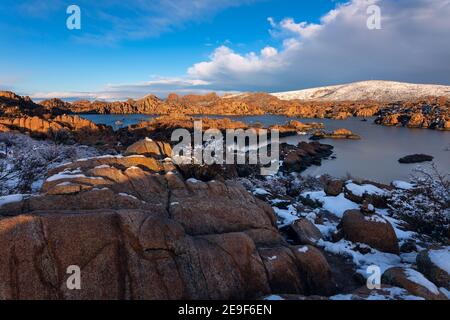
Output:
x,y
374,157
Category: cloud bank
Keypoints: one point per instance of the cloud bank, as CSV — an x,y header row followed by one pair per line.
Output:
x,y
412,46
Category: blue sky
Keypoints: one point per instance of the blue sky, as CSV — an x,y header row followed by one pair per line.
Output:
x,y
130,48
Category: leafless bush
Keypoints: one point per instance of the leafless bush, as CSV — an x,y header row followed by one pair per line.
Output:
x,y
24,161
426,207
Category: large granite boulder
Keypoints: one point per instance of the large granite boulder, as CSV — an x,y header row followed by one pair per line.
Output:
x,y
138,230
372,230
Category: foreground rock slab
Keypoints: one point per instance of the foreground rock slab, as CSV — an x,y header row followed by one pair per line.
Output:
x,y
138,230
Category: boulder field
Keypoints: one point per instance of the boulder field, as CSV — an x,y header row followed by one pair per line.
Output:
x,y
138,230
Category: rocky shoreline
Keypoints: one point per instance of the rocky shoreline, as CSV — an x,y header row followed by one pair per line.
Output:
x,y
430,113
141,229
140,226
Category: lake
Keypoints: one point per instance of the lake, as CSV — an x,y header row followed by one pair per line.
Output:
x,y
374,157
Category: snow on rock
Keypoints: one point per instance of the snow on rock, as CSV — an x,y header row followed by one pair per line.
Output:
x,y
441,258
128,196
103,166
69,175
375,218
11,199
402,185
336,205
287,216
402,235
445,292
419,279
260,192
360,190
303,249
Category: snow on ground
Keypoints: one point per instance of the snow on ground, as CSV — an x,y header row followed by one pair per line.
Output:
x,y
360,190
287,216
402,185
402,235
418,278
362,261
367,90
336,205
441,258
392,293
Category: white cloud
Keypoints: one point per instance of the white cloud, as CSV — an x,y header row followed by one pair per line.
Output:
x,y
411,46
158,86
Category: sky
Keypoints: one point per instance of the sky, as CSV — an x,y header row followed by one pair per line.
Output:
x,y
128,49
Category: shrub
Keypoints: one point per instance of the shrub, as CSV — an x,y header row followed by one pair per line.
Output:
x,y
426,207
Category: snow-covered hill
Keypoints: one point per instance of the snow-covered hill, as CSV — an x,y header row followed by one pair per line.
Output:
x,y
373,90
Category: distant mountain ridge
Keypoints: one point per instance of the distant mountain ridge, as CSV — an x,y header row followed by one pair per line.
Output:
x,y
382,91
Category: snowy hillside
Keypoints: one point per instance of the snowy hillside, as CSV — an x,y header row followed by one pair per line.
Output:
x,y
373,90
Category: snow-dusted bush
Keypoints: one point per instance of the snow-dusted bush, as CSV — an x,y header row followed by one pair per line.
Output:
x,y
25,161
426,206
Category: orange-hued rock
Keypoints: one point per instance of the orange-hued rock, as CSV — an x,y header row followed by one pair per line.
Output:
x,y
138,231
315,269
412,281
372,230
150,147
61,127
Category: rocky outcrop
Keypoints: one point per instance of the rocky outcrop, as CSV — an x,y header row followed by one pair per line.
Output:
x,y
294,127
138,230
372,230
333,188
428,113
306,232
61,128
13,105
416,158
151,148
414,282
299,158
337,134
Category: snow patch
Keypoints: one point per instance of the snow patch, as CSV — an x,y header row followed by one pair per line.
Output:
x,y
11,199
360,190
402,185
362,261
441,258
128,196
304,249
419,279
336,205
